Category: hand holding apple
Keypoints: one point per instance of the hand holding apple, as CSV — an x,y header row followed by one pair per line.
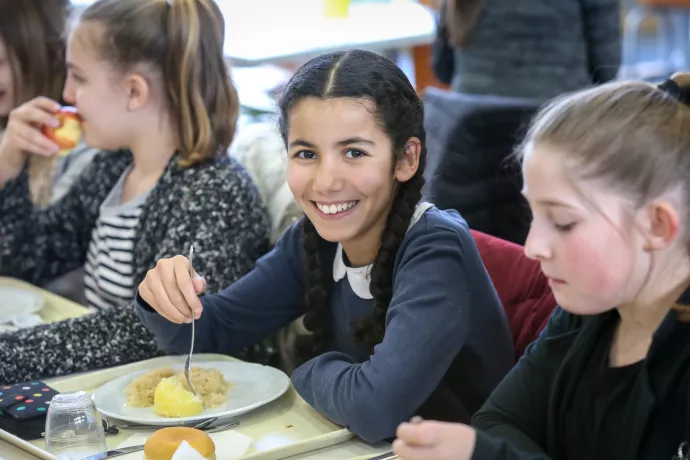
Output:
x,y
23,136
69,133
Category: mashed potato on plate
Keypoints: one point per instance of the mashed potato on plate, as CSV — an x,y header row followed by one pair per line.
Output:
x,y
208,382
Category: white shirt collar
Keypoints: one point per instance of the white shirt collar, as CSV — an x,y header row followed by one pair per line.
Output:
x,y
360,277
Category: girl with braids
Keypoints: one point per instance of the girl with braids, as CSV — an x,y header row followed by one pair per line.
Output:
x,y
606,174
401,316
149,80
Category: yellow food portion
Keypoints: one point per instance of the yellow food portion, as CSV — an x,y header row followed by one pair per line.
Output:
x,y
142,389
165,389
172,400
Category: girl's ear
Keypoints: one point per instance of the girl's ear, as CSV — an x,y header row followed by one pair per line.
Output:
x,y
407,166
138,91
660,223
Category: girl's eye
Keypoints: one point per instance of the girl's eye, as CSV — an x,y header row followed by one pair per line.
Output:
x,y
354,153
305,155
564,228
77,78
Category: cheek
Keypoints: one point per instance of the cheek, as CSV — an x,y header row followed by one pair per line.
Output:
x,y
599,266
6,76
297,178
371,182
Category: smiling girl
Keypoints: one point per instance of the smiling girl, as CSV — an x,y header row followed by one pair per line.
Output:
x,y
399,315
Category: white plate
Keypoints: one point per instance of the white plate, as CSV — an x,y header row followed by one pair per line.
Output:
x,y
18,301
253,385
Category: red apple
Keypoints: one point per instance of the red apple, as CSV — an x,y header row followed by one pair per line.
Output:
x,y
69,133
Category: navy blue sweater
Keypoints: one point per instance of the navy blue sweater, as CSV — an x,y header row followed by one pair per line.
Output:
x,y
447,343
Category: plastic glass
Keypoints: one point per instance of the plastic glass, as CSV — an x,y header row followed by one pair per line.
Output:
x,y
73,427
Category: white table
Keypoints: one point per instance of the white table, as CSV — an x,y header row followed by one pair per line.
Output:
x,y
263,31
350,450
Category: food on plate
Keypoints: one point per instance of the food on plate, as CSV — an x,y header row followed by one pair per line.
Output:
x,y
173,400
142,389
69,133
163,443
170,396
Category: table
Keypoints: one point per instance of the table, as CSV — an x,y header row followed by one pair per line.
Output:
x,y
56,308
262,31
349,450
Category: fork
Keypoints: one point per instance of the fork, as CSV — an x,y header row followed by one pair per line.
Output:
x,y
111,428
188,363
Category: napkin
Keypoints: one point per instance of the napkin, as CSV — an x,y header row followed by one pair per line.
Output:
x,y
229,444
187,452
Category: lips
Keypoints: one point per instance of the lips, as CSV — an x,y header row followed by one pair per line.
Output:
x,y
555,281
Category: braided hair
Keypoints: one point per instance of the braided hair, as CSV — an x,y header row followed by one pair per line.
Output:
x,y
359,74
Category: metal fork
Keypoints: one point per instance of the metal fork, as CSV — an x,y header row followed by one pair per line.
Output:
x,y
188,363
111,428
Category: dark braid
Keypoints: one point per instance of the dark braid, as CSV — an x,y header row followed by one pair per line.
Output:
x,y
317,293
370,330
361,75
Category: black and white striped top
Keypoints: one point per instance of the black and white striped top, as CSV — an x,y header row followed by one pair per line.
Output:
x,y
213,205
109,269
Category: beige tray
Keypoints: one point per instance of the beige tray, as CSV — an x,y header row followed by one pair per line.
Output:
x,y
56,308
285,427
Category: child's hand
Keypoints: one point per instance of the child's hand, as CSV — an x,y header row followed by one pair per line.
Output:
x,y
170,290
437,440
23,135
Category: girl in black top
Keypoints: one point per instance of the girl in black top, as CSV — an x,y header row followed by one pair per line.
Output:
x,y
606,174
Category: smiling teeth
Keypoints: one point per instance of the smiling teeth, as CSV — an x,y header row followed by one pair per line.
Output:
x,y
335,208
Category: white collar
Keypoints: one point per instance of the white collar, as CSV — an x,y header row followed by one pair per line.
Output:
x,y
360,277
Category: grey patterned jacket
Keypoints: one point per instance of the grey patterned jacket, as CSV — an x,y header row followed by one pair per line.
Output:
x,y
214,206
539,49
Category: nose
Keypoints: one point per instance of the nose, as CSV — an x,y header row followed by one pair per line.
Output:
x,y
537,246
68,91
327,176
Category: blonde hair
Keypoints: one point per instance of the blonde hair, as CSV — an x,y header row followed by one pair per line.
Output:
x,y
183,39
631,137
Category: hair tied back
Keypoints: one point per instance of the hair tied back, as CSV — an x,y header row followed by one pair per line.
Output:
x,y
677,92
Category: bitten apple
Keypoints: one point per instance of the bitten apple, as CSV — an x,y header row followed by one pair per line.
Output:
x,y
68,134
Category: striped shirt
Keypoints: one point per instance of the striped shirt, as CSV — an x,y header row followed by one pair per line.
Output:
x,y
109,269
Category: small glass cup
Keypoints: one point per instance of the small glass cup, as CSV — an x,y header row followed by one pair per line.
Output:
x,y
73,427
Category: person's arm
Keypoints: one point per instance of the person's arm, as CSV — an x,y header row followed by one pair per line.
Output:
x,y
602,33
98,340
40,245
228,229
269,297
442,52
512,422
427,324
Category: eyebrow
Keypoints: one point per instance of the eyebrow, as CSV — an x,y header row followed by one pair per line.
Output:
x,y
342,143
72,66
548,202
